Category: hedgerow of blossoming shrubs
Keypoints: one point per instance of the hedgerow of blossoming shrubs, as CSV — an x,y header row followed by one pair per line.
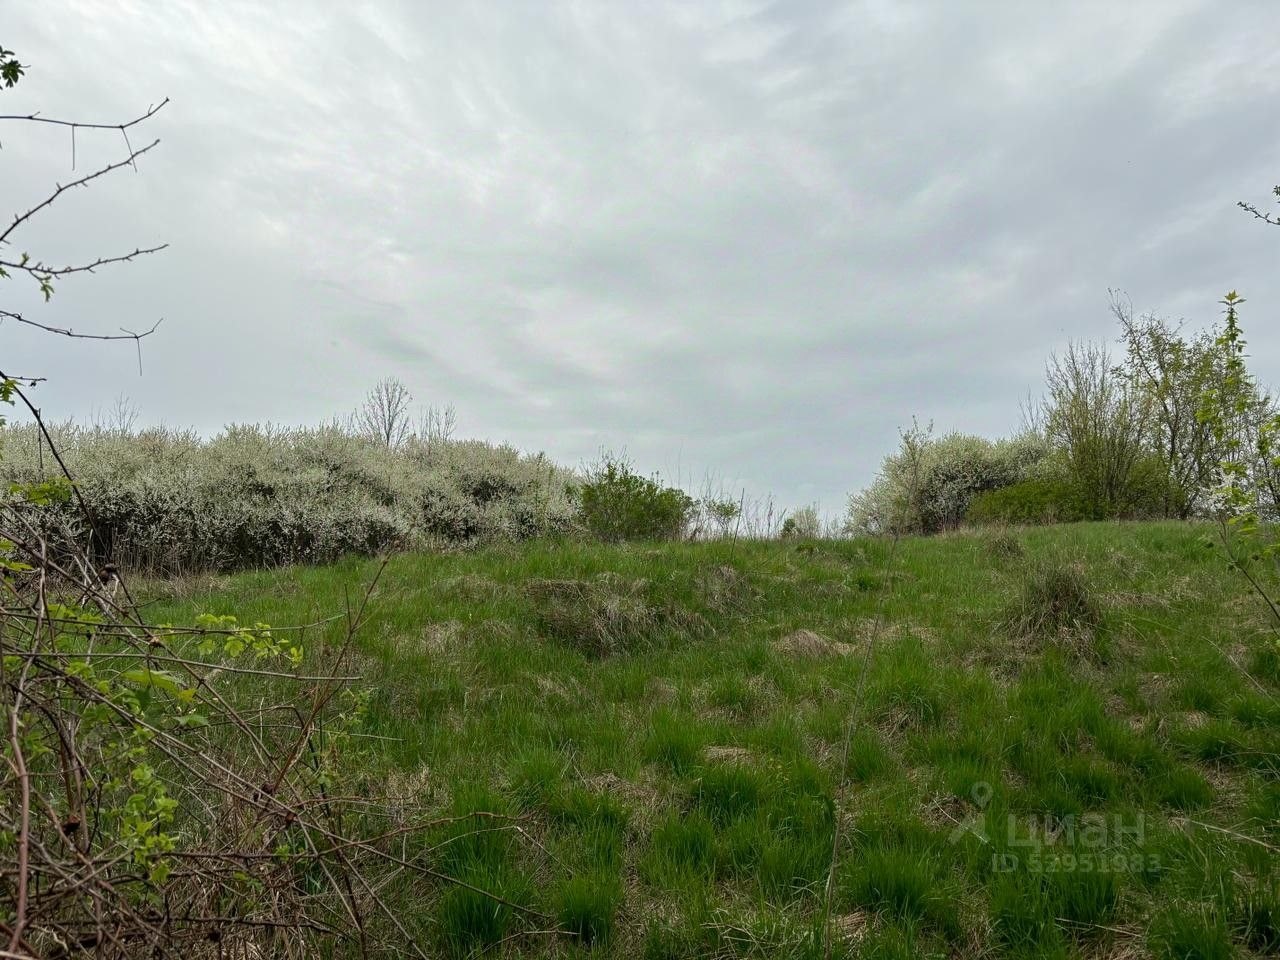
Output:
x,y
929,483
168,500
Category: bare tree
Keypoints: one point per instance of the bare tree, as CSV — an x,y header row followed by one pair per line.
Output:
x,y
1095,416
384,415
120,418
437,424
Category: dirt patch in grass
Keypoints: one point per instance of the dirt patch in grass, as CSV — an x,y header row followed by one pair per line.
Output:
x,y
411,788
661,691
643,800
1153,688
566,689
1194,719
1129,948
1176,591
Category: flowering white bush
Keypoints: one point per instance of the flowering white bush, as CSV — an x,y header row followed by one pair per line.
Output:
x,y
262,495
927,485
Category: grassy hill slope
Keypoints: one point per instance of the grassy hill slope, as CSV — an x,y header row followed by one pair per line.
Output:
x,y
1059,742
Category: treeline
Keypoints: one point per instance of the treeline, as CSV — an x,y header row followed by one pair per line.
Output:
x,y
1140,433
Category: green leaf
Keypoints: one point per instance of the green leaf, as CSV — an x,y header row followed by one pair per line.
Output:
x,y
158,679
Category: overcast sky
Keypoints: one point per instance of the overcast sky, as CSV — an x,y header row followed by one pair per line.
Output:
x,y
746,238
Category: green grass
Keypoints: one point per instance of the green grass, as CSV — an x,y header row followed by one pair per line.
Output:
x,y
1054,753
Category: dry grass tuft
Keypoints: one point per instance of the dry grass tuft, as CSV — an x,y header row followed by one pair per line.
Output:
x,y
850,927
441,637
1055,602
723,754
725,589
1003,546
472,587
605,615
808,644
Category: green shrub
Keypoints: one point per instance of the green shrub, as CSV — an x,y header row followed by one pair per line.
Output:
x,y
1038,500
616,503
1150,493
1050,497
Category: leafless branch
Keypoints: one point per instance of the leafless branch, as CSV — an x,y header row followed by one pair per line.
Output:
x,y
77,124
66,332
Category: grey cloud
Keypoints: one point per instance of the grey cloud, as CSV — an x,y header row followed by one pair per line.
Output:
x,y
749,238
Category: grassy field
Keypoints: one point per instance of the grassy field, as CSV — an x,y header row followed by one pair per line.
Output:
x,y
1063,742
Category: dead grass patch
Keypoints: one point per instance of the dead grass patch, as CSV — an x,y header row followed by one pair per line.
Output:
x,y
471,587
730,755
851,927
441,637
809,644
725,589
605,615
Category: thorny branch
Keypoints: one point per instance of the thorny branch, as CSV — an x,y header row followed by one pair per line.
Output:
x,y
1272,219
81,125
43,272
66,332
